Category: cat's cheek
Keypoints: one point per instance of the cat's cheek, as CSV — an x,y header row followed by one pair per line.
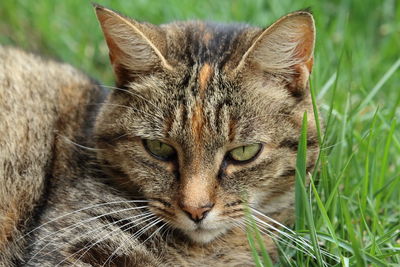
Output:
x,y
258,197
268,203
279,203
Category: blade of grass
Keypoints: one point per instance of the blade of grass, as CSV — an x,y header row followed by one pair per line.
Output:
x,y
267,262
300,176
253,248
252,231
266,259
326,219
311,225
352,236
348,247
301,195
379,85
284,258
366,178
384,166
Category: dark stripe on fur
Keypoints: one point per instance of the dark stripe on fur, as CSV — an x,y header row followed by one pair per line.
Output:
x,y
293,143
234,203
162,210
165,203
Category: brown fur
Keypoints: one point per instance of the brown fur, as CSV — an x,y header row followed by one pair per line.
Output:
x,y
203,89
40,105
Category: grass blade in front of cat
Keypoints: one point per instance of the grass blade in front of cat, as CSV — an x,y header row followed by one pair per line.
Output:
x,y
300,174
327,221
253,232
300,168
253,248
264,253
303,209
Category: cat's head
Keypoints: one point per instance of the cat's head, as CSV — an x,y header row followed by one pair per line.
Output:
x,y
206,117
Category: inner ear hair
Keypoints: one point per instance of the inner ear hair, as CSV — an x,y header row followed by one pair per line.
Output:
x,y
135,48
286,49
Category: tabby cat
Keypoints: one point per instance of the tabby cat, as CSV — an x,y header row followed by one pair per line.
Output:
x,y
201,129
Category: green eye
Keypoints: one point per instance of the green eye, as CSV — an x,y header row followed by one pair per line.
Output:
x,y
245,153
159,149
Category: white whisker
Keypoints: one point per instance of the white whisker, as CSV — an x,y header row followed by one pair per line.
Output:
x,y
75,225
109,259
296,239
67,140
87,248
244,224
138,217
82,209
131,93
299,240
131,108
278,238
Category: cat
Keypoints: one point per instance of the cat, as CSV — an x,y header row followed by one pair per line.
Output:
x,y
201,128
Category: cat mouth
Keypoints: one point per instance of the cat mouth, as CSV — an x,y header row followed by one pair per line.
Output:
x,y
203,234
201,231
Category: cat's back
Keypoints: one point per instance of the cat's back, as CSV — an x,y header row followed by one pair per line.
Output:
x,y
41,101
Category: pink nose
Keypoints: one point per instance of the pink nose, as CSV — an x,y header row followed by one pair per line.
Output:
x,y
196,214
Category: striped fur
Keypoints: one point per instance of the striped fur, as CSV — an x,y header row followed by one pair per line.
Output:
x,y
203,88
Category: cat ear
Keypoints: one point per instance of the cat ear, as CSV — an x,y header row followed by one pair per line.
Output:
x,y
135,48
285,48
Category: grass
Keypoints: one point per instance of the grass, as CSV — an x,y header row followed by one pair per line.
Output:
x,y
352,208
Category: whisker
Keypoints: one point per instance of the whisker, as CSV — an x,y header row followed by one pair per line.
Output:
x,y
67,140
153,115
291,235
131,93
141,216
87,248
143,230
240,224
79,210
296,239
167,231
243,225
75,225
278,238
109,259
273,220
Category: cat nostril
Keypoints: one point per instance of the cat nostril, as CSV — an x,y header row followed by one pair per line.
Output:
x,y
197,214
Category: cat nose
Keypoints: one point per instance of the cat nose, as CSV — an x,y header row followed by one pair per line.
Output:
x,y
196,214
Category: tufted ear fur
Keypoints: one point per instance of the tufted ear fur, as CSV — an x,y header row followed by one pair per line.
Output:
x,y
135,48
285,48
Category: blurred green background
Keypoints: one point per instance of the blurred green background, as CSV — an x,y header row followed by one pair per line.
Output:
x,y
367,31
356,80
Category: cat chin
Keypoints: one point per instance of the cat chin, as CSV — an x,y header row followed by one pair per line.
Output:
x,y
203,236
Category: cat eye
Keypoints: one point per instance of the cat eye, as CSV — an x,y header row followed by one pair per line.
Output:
x,y
245,153
159,149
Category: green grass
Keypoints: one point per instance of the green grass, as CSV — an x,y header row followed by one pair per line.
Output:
x,y
354,207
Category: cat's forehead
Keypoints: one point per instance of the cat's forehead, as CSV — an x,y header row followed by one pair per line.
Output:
x,y
213,110
203,103
199,42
